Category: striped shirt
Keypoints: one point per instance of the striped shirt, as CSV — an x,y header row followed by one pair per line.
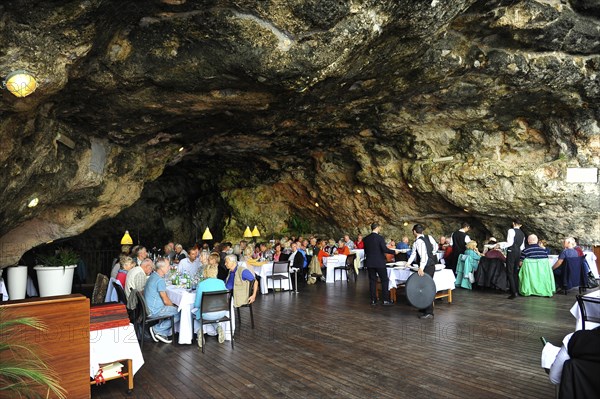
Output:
x,y
534,251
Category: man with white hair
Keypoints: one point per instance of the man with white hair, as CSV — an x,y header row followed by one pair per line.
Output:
x,y
158,302
568,252
136,280
349,243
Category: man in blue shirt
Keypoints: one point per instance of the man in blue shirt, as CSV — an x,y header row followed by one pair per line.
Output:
x,y
158,302
247,275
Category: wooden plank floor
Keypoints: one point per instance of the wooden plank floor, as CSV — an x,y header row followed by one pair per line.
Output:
x,y
328,342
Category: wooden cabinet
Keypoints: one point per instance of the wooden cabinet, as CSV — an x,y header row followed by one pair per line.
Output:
x,y
65,345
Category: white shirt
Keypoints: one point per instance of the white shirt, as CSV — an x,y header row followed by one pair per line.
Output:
x,y
189,267
467,238
510,239
350,244
420,248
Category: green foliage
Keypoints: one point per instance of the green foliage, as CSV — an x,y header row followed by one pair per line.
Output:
x,y
62,257
22,371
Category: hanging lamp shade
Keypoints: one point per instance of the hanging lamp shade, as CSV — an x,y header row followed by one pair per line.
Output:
x,y
247,232
20,83
255,232
126,240
207,235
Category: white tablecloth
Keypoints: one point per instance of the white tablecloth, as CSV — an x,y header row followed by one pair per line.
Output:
x,y
112,344
331,262
595,311
265,283
591,260
444,279
188,325
3,291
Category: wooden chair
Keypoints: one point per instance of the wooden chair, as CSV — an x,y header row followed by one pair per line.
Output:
x,y
142,318
280,272
348,267
100,288
216,301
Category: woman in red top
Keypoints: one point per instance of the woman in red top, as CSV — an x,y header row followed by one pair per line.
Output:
x,y
127,264
277,252
359,244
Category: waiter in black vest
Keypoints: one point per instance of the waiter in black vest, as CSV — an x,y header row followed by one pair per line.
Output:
x,y
459,240
515,240
423,254
375,250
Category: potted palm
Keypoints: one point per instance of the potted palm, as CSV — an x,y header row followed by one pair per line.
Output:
x,y
55,273
23,374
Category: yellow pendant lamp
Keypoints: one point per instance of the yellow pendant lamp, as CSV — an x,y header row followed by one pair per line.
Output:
x,y
126,240
255,232
247,232
207,235
20,83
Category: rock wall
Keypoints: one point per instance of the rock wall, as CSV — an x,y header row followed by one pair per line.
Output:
x,y
397,111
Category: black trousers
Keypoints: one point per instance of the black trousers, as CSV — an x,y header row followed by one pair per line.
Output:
x,y
428,270
385,283
512,270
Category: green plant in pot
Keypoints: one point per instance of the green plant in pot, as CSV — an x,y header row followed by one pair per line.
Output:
x,y
23,374
55,274
62,257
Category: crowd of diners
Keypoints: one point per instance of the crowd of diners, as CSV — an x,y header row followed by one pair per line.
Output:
x,y
225,264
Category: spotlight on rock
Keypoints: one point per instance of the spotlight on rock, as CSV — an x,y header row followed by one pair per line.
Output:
x,y
20,83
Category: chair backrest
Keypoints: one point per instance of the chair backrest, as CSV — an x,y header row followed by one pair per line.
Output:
x,y
401,257
141,310
589,308
284,257
215,301
120,292
99,293
350,260
574,273
281,267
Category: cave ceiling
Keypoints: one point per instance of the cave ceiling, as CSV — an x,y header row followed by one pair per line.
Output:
x,y
187,114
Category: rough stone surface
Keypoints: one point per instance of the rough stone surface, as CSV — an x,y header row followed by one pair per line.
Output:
x,y
281,105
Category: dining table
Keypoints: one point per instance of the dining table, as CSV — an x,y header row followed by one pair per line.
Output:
x,y
592,310
330,263
112,344
188,325
265,269
443,278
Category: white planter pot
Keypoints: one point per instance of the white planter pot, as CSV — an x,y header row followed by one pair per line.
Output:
x,y
17,282
55,280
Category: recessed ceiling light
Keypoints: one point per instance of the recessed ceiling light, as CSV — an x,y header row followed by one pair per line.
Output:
x,y
33,203
317,204
405,223
180,149
542,204
466,210
358,190
410,185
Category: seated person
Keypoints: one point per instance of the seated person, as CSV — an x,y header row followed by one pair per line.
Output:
x,y
343,249
159,303
389,258
127,263
349,243
322,254
495,253
359,244
492,242
544,244
239,280
568,252
404,245
190,264
472,251
211,284
582,344
330,248
533,249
